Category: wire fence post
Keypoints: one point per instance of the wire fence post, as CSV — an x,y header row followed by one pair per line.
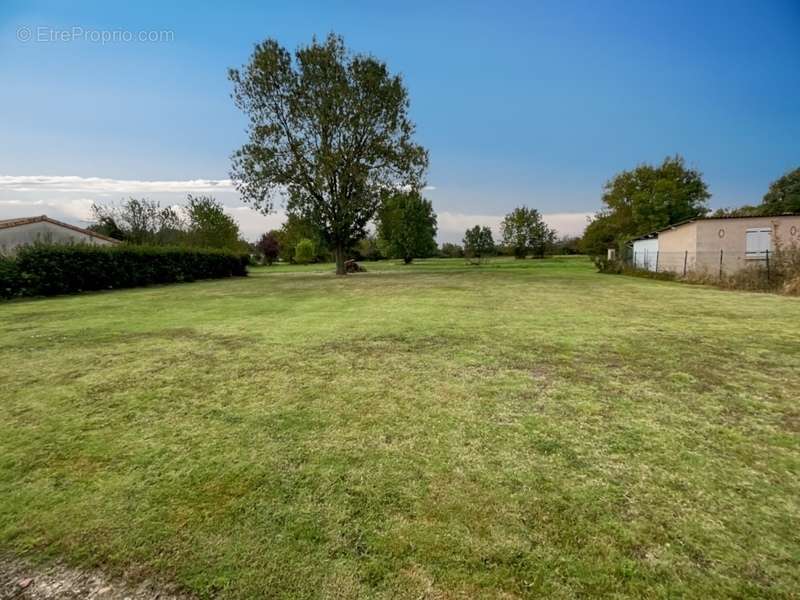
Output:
x,y
685,258
767,256
720,263
657,253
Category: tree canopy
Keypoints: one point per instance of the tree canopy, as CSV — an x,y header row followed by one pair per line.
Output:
x,y
478,242
208,225
201,222
304,252
296,228
407,226
783,195
269,246
330,131
645,199
525,232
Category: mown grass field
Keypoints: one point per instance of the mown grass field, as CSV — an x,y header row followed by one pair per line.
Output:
x,y
518,429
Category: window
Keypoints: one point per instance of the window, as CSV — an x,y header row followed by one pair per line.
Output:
x,y
759,241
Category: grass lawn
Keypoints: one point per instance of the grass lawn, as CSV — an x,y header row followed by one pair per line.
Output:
x,y
517,429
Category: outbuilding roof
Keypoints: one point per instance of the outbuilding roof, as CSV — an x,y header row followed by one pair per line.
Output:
x,y
8,223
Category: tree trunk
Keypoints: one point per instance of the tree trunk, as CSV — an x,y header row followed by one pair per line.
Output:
x,y
338,252
407,259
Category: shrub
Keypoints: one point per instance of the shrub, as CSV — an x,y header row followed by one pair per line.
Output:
x,y
792,286
648,274
368,249
9,277
304,252
269,247
451,251
778,275
618,267
47,270
608,265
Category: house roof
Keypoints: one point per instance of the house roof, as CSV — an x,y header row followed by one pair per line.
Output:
x,y
655,233
8,223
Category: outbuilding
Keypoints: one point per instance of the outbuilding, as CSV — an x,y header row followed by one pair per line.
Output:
x,y
29,230
716,244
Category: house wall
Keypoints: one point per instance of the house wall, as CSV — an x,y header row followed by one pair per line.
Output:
x,y
677,246
699,243
730,236
43,231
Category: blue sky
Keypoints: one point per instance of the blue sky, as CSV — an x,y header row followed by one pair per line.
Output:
x,y
534,103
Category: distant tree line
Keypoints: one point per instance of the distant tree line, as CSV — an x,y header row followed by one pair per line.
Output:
x,y
200,223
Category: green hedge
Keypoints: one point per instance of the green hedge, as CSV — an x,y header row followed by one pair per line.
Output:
x,y
47,270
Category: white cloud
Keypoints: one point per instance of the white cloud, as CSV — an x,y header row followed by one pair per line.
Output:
x,y
74,183
252,223
70,209
103,185
568,223
70,198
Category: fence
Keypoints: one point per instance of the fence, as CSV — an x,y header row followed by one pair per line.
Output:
x,y
715,264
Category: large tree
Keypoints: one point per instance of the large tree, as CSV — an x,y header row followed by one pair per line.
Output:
x,y
209,226
407,226
783,195
600,234
525,232
651,197
328,129
645,199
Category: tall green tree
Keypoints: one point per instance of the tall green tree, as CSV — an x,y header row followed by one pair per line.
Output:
x,y
645,199
328,129
652,197
478,243
600,234
209,226
525,232
407,226
783,195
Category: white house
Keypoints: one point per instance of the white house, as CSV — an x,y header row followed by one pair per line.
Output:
x,y
20,232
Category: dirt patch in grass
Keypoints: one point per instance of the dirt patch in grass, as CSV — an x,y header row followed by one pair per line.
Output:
x,y
20,580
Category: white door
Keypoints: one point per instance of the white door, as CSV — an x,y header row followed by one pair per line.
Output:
x,y
645,254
